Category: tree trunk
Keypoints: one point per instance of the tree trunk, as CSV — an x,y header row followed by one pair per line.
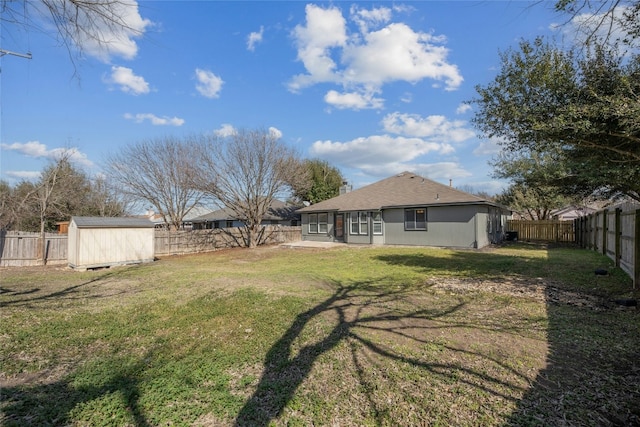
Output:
x,y
43,243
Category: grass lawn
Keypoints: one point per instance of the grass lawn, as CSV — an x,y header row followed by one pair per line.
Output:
x,y
516,335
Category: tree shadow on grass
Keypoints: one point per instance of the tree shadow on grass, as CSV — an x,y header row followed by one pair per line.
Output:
x,y
358,312
52,403
592,370
41,294
592,376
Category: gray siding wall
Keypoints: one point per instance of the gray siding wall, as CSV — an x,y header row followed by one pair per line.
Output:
x,y
468,226
318,237
453,226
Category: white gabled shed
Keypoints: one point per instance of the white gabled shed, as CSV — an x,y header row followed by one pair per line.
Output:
x,y
104,242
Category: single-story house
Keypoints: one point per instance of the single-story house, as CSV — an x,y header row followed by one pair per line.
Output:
x,y
406,209
279,213
569,213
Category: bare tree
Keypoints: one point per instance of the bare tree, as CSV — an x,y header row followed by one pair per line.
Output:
x,y
160,172
80,25
245,172
51,193
613,22
106,200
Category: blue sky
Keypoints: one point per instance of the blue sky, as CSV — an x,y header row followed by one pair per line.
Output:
x,y
375,88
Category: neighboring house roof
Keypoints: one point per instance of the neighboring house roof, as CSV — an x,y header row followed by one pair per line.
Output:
x,y
111,222
195,212
278,211
571,212
402,190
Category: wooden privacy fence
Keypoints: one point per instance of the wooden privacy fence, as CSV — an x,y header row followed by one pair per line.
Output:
x,y
20,249
186,242
615,233
549,231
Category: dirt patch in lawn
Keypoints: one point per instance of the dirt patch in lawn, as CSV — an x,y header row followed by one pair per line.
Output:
x,y
542,290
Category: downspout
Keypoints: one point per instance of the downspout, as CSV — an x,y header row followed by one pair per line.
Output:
x,y
475,230
370,227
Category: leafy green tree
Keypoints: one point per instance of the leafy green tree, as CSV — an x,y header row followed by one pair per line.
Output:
x,y
584,111
534,203
322,182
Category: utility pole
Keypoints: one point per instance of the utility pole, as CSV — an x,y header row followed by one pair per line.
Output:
x,y
4,52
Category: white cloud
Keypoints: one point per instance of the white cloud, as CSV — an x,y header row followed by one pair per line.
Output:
x,y
118,41
27,175
225,130
368,59
374,151
32,148
441,170
435,127
325,29
407,98
463,108
366,18
275,132
353,100
395,53
128,81
488,147
209,85
254,38
155,120
37,150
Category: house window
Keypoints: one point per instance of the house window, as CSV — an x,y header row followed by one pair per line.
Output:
x,y
359,223
322,223
415,219
318,223
376,219
313,223
229,224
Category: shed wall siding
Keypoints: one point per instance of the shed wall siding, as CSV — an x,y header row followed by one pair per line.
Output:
x,y
106,246
72,248
97,247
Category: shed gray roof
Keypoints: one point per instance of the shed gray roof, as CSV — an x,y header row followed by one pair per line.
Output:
x,y
111,222
402,190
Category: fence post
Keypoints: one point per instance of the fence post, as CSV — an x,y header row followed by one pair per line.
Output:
x,y
636,252
618,238
605,218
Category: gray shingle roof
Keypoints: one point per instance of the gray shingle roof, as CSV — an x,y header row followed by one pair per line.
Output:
x,y
111,222
401,190
278,211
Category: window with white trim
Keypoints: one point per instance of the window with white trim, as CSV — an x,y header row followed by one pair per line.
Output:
x,y
415,219
323,222
313,223
376,219
359,223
